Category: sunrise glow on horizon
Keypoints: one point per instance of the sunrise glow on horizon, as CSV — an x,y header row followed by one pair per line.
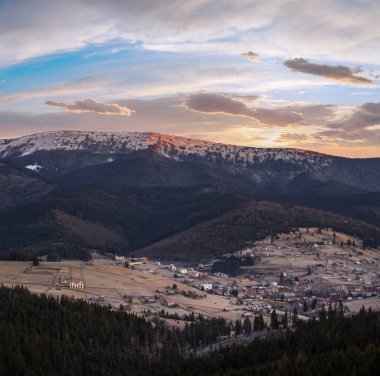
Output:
x,y
263,74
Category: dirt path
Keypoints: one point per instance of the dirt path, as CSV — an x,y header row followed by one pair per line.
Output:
x,y
241,340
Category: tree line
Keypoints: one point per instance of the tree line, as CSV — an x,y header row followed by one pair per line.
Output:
x,y
42,335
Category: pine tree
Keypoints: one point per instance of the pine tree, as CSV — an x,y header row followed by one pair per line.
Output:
x,y
284,320
256,324
322,313
259,323
331,312
238,327
314,303
274,323
295,317
281,278
247,326
341,310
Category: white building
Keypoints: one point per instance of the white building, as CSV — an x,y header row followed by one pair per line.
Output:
x,y
76,285
207,286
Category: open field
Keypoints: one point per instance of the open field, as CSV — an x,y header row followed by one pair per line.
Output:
x,y
115,285
290,270
356,305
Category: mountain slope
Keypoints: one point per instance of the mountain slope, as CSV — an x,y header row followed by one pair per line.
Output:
x,y
20,186
252,221
169,196
109,219
364,206
171,146
259,170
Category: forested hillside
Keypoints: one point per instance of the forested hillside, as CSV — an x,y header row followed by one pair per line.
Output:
x,y
45,336
337,346
42,335
65,194
251,221
365,206
189,224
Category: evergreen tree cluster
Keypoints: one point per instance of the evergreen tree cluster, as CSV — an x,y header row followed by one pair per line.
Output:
x,y
333,346
231,265
202,332
42,335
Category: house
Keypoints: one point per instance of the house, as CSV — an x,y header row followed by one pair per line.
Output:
x,y
147,270
289,295
206,286
134,300
76,285
169,303
62,280
342,288
137,261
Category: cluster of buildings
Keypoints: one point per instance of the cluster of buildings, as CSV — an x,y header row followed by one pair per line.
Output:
x,y
302,270
65,282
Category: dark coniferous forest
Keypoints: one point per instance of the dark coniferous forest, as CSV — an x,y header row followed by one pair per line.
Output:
x,y
42,335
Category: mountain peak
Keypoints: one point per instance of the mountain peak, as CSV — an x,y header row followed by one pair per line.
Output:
x,y
174,147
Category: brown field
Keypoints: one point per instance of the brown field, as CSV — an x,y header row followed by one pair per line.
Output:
x,y
113,283
355,306
331,265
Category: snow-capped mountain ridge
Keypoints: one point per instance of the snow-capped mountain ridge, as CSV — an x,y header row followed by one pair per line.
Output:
x,y
173,147
154,156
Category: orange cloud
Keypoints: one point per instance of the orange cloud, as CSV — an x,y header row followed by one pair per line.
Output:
x,y
211,103
90,105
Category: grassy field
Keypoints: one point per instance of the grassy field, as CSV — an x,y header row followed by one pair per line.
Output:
x,y
326,265
111,282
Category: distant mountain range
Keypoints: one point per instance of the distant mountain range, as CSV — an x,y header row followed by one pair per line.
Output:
x,y
128,191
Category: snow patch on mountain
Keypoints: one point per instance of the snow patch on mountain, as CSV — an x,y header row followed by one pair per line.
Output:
x,y
174,147
34,167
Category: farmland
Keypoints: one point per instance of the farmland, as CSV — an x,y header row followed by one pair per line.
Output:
x,y
301,270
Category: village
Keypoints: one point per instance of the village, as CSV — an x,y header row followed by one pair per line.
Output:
x,y
302,270
299,272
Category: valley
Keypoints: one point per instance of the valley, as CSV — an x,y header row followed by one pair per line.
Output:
x,y
282,228
189,188
302,270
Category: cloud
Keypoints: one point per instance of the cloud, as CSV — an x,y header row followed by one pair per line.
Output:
x,y
366,115
212,103
89,105
339,29
276,116
315,113
337,72
292,137
217,103
361,137
169,115
252,56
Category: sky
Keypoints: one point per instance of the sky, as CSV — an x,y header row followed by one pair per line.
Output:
x,y
283,73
